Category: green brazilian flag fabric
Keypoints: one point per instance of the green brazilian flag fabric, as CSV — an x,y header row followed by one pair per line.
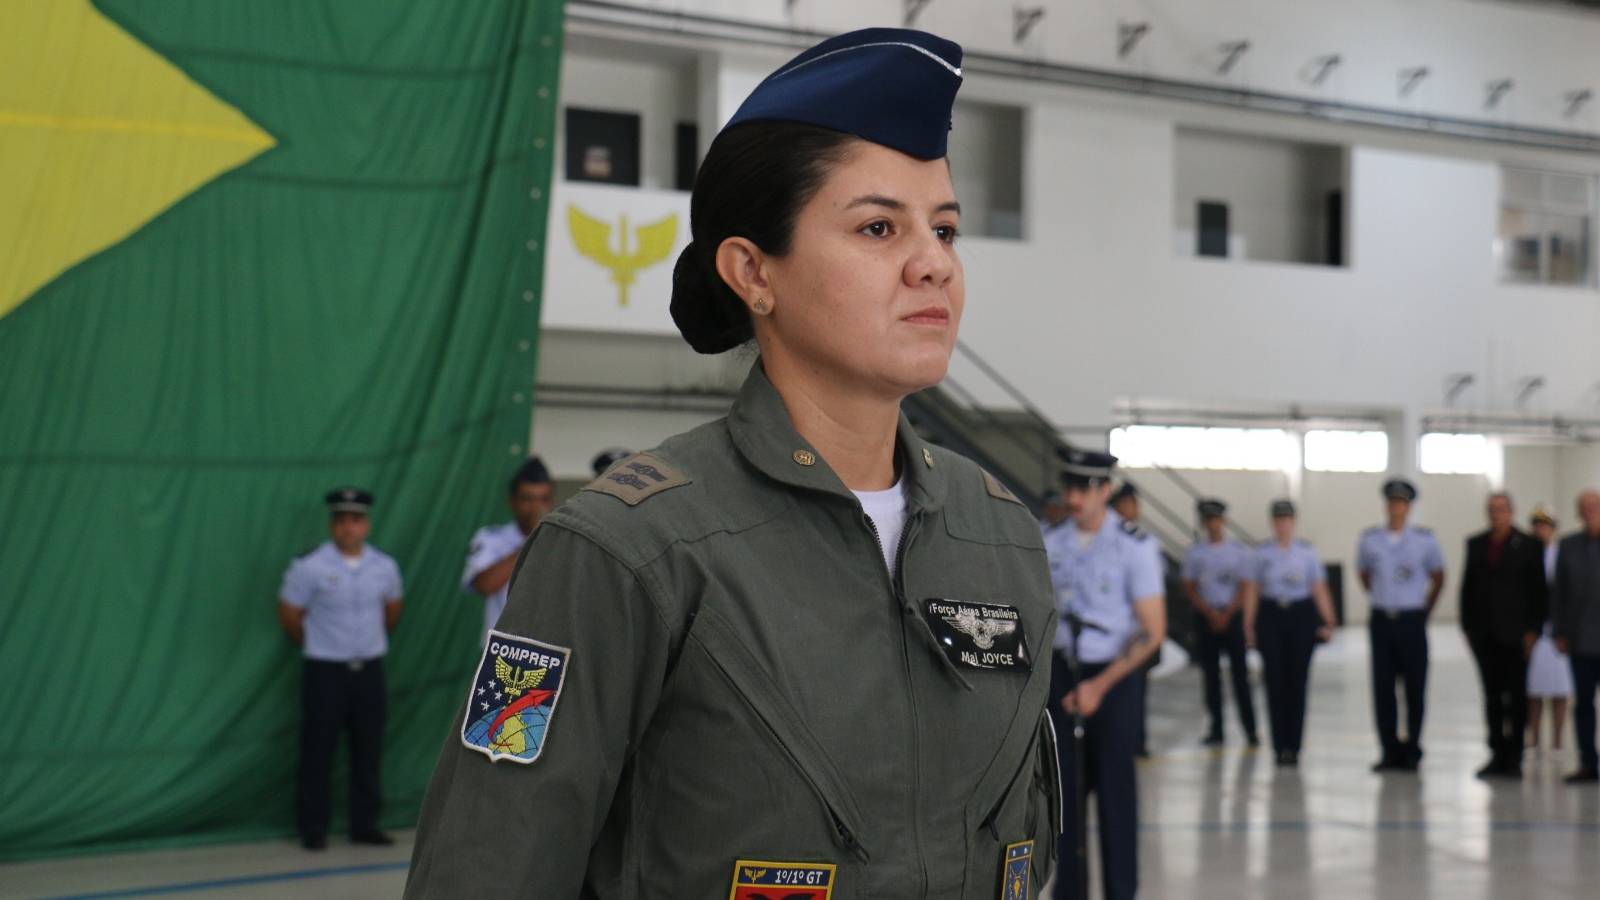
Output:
x,y
355,301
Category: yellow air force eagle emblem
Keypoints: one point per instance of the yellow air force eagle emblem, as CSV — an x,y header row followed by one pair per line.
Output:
x,y
652,243
515,681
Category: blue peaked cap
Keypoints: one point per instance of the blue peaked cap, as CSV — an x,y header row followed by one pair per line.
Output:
x,y
890,86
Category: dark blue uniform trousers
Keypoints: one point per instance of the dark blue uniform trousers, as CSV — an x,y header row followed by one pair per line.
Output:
x,y
1399,653
336,698
1110,738
1210,647
1286,635
1585,680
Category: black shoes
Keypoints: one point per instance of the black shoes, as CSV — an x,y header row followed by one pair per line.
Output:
x,y
1212,740
1288,759
1499,768
1583,776
1253,741
374,838
314,841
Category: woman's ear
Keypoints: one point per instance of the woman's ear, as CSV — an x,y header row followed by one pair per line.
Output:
x,y
742,266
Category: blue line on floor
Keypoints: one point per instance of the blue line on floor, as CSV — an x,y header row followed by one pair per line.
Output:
x,y
191,886
1300,825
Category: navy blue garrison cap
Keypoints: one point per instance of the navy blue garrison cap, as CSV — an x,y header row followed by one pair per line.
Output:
x,y
1399,489
1080,466
890,86
348,499
1211,508
1283,509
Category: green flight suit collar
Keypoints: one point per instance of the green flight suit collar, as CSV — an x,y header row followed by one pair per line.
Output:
x,y
761,431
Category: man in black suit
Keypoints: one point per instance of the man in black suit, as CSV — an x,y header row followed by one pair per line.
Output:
x,y
1503,608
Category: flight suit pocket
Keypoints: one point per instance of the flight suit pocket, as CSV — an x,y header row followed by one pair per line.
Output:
x,y
1028,809
748,680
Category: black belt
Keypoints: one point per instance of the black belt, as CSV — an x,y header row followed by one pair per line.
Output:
x,y
1284,603
354,665
1394,615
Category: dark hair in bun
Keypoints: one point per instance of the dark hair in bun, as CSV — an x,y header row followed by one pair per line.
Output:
x,y
752,184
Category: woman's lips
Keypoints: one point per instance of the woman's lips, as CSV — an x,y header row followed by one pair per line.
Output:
x,y
932,315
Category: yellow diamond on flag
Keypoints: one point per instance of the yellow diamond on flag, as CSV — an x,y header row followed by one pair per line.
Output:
x,y
98,135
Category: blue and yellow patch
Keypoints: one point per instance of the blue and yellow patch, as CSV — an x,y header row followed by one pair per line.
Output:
x,y
1016,873
755,879
513,697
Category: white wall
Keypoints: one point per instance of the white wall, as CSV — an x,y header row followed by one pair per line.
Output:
x,y
1466,44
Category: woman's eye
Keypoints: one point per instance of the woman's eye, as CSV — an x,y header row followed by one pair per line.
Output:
x,y
876,229
947,233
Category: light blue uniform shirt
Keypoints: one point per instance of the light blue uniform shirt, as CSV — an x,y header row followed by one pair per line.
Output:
x,y
490,544
1399,566
344,605
1217,569
1100,581
1287,573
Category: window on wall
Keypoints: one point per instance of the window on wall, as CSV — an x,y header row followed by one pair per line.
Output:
x,y
1346,451
986,166
1187,447
1250,197
1546,233
1459,454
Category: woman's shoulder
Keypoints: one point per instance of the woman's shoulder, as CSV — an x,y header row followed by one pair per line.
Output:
x,y
980,507
690,486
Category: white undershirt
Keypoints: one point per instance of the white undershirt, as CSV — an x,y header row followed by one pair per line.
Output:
x,y
887,510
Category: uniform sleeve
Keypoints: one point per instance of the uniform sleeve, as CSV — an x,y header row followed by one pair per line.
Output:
x,y
299,585
506,828
481,554
397,583
1189,571
1255,565
1144,578
1364,561
1314,569
1433,556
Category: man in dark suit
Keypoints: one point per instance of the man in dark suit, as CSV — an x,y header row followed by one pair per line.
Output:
x,y
1575,621
1503,608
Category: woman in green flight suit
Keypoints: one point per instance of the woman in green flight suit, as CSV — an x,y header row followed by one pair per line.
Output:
x,y
797,652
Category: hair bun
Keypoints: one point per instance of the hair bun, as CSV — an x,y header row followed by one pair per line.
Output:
x,y
709,315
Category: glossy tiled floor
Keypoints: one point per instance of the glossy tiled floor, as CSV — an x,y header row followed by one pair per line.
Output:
x,y
1217,824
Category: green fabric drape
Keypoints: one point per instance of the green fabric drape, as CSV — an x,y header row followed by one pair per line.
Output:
x,y
358,304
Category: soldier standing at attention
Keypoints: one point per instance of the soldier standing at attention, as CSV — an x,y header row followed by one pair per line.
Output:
x,y
339,602
1216,575
1287,611
494,548
798,649
1107,573
1402,569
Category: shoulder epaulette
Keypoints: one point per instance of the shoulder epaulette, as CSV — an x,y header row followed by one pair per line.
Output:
x,y
997,490
638,478
1132,529
1423,528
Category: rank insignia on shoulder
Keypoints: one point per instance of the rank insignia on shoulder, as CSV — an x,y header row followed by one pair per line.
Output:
x,y
761,880
513,696
1132,529
998,490
1016,872
979,635
638,478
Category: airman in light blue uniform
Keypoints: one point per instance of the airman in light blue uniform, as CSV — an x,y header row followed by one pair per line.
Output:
x,y
339,602
1402,569
1215,573
1108,574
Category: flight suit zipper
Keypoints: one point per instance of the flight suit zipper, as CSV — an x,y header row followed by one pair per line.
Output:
x,y
897,591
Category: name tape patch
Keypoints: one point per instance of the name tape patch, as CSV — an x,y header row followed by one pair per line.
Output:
x,y
513,697
979,635
755,879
